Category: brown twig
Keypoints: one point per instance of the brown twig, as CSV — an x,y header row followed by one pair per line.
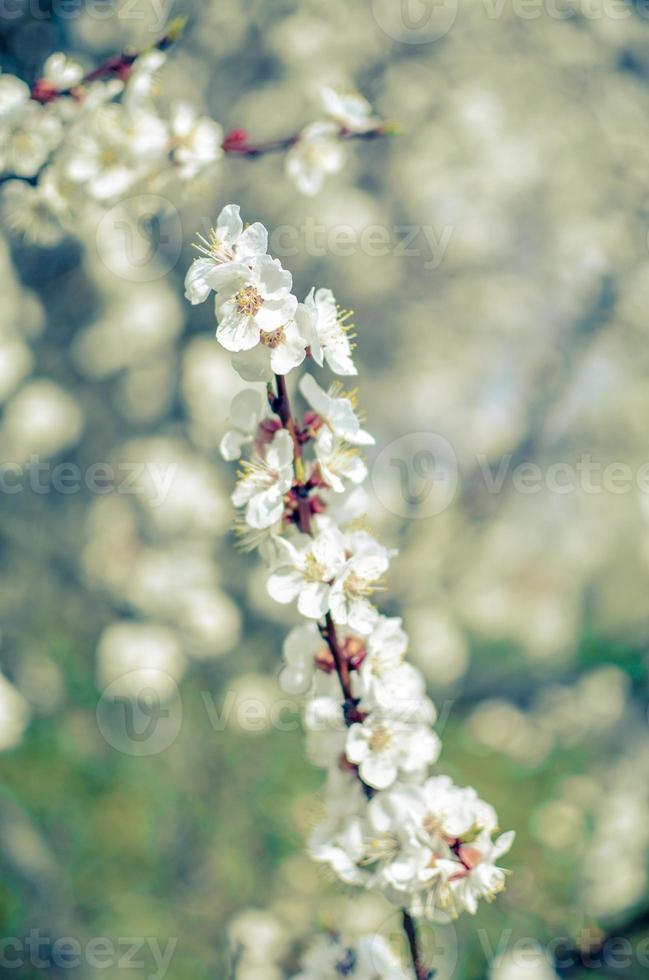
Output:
x,y
282,406
237,142
410,929
117,66
342,666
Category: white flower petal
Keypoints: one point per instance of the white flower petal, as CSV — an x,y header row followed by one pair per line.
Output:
x,y
284,585
237,333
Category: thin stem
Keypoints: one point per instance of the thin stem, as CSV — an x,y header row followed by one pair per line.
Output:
x,y
251,150
246,150
260,149
410,929
116,65
282,406
342,667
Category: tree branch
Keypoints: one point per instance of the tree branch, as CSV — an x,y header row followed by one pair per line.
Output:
x,y
282,406
237,141
410,929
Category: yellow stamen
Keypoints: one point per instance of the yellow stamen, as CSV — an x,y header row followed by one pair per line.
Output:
x,y
249,301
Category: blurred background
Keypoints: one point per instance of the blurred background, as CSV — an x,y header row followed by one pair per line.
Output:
x,y
496,256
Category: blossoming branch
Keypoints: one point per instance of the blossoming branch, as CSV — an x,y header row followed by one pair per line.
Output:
x,y
75,144
425,844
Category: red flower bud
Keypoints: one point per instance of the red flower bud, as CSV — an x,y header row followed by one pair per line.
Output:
x,y
236,139
317,505
44,91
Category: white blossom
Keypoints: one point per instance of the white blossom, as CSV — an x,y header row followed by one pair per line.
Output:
x,y
317,153
374,844
300,650
196,140
335,410
63,72
387,644
254,305
383,749
349,109
29,132
113,149
399,691
422,842
142,79
364,958
306,570
14,96
338,839
247,411
349,508
358,579
330,339
227,243
33,211
337,460
403,844
278,352
264,481
460,827
326,732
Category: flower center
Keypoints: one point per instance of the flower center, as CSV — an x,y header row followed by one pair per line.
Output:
x,y
324,660
249,301
383,848
432,824
274,338
214,248
355,651
357,587
379,739
108,156
313,570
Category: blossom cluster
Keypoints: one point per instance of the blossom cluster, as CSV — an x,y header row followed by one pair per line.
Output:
x,y
318,151
75,144
367,958
422,842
